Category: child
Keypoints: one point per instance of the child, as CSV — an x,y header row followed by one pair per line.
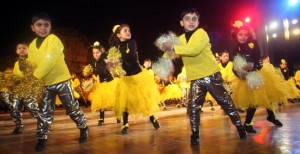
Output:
x,y
297,77
46,53
137,92
18,102
265,95
203,72
103,96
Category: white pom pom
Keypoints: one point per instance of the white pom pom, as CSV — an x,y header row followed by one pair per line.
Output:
x,y
239,62
163,67
254,80
170,38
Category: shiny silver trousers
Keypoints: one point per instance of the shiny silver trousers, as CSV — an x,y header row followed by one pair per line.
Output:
x,y
214,85
5,97
65,93
17,105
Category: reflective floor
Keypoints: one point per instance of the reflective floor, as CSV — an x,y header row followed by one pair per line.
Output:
x,y
217,134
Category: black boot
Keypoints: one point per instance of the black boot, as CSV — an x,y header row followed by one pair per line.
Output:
x,y
154,122
275,121
41,145
17,130
249,128
242,132
195,139
125,129
118,120
271,118
84,135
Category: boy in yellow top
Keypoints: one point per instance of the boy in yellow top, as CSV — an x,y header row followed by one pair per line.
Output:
x,y
46,53
18,102
203,72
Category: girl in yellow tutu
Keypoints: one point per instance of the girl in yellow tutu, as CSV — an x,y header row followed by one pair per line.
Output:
x,y
137,92
256,85
103,96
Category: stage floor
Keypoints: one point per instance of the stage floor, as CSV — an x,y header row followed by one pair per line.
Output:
x,y
217,134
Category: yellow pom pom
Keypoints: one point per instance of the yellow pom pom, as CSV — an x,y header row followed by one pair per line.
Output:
x,y
238,24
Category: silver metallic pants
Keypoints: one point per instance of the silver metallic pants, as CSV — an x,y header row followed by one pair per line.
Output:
x,y
17,105
214,85
4,96
47,107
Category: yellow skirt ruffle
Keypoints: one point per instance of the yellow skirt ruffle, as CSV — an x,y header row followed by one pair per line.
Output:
x,y
138,95
104,95
171,91
272,92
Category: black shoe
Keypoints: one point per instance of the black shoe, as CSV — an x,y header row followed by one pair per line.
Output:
x,y
241,110
17,130
249,128
100,122
118,121
154,122
40,146
212,108
275,121
124,129
84,135
242,132
195,140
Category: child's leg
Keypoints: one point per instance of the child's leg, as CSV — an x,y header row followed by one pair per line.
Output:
x,y
248,121
197,98
101,120
16,114
154,121
272,118
125,123
214,84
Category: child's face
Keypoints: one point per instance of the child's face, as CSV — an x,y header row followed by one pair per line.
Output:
x,y
147,64
242,36
22,49
124,34
41,27
96,53
224,57
266,60
283,65
190,22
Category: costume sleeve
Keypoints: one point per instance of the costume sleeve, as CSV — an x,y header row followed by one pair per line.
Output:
x,y
53,50
16,70
197,43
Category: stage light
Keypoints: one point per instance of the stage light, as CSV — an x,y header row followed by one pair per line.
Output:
x,y
293,2
247,19
294,21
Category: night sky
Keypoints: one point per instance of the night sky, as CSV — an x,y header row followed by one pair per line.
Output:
x,y
148,19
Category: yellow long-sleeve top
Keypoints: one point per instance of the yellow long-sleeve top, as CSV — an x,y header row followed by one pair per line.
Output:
x,y
196,55
297,77
17,71
49,60
227,73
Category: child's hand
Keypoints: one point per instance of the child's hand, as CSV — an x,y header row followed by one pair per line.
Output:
x,y
167,46
248,67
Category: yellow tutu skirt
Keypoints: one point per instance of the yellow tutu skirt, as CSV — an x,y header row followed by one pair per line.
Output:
x,y
103,95
293,91
137,94
208,97
268,95
171,91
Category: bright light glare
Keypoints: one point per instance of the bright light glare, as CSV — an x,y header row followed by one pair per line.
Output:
x,y
294,21
293,2
273,25
274,35
247,19
296,31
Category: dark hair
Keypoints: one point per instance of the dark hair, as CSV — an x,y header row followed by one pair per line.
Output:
x,y
222,52
236,29
113,39
187,11
264,57
40,15
23,43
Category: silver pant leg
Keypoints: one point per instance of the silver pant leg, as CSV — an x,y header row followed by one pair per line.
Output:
x,y
5,96
218,92
32,105
67,98
46,112
197,98
16,110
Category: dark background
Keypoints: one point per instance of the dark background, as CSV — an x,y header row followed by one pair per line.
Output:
x,y
148,20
